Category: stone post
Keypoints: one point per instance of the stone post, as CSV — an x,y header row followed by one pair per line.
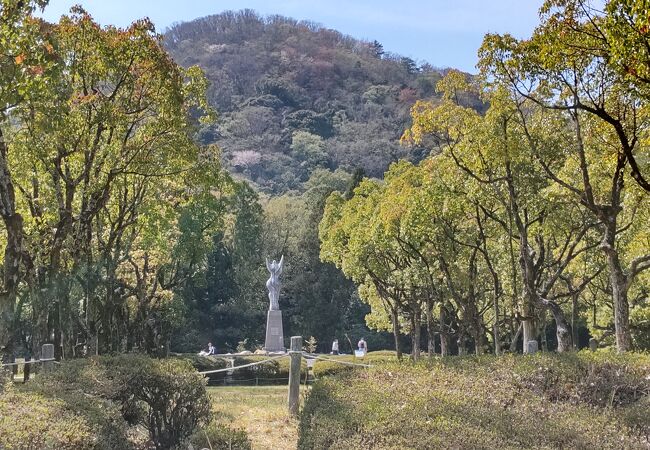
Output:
x,y
27,369
294,374
593,344
47,353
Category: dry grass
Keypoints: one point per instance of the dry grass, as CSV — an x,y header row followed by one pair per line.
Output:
x,y
261,411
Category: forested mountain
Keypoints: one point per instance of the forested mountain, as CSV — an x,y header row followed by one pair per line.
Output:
x,y
301,109
294,96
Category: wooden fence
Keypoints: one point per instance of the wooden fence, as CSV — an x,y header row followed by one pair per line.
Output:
x,y
47,360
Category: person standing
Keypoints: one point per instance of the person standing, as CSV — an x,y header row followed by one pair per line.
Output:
x,y
363,346
335,347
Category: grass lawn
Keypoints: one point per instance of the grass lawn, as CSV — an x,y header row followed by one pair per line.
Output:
x,y
260,411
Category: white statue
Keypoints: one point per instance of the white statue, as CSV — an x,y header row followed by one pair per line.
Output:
x,y
273,283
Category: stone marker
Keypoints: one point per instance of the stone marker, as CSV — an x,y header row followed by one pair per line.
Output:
x,y
294,374
47,352
593,344
532,347
27,369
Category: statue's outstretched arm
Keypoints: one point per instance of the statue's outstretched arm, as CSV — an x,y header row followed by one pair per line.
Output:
x,y
280,265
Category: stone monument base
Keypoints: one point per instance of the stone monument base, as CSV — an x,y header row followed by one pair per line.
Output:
x,y
274,334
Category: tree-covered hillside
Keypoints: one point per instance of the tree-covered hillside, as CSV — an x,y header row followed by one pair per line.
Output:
x,y
294,96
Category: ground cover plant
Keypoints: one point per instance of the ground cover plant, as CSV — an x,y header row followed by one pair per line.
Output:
x,y
579,400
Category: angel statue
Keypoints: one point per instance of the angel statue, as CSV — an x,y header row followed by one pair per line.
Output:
x,y
273,283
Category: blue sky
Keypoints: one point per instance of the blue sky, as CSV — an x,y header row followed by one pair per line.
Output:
x,y
445,33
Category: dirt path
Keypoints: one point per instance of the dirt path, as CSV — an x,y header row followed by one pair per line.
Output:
x,y
261,411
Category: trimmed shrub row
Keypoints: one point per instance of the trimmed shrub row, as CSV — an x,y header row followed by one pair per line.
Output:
x,y
324,368
165,396
274,370
119,402
32,420
203,363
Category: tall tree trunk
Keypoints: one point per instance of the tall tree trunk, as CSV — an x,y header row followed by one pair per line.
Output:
x,y
563,328
495,282
56,328
515,338
11,278
431,344
564,331
495,327
13,222
90,322
619,283
444,334
43,304
544,343
476,328
574,316
479,339
396,332
527,321
461,341
415,336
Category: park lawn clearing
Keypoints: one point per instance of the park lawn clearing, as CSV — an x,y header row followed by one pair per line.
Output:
x,y
261,411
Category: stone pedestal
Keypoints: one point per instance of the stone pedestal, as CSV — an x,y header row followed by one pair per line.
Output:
x,y
274,334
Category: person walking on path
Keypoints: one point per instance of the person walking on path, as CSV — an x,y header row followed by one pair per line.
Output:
x,y
335,347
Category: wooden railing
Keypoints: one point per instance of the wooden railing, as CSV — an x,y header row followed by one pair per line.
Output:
x,y
47,360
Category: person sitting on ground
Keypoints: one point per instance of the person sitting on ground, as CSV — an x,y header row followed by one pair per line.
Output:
x,y
211,350
335,347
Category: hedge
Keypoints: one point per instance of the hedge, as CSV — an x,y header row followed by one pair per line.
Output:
x,y
273,370
580,400
39,421
111,402
324,368
166,396
206,363
277,370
